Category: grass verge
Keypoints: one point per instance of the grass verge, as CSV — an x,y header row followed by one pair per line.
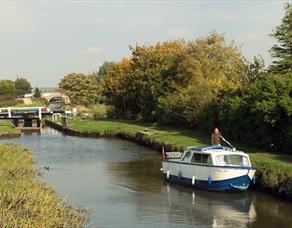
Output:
x,y
274,170
24,201
7,130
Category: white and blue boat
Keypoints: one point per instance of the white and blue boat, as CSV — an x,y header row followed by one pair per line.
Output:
x,y
214,168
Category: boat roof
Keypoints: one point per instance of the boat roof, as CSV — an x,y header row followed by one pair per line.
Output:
x,y
211,149
206,148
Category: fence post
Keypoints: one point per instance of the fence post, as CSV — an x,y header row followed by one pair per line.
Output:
x,y
9,112
40,113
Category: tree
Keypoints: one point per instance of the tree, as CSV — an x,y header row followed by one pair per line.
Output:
x,y
37,92
254,70
265,109
22,86
7,89
134,85
81,89
116,90
153,74
102,71
283,50
211,65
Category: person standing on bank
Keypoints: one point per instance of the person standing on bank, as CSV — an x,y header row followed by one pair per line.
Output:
x,y
216,137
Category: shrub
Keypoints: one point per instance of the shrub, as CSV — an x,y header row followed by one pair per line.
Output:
x,y
263,109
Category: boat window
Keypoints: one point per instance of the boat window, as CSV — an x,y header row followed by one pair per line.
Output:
x,y
245,161
187,155
202,158
232,159
220,160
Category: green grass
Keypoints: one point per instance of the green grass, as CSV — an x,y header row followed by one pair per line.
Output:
x,y
102,126
100,109
8,102
24,201
6,127
36,102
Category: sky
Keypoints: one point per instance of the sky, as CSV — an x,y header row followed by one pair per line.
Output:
x,y
45,40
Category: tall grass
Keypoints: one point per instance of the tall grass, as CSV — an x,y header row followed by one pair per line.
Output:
x,y
25,201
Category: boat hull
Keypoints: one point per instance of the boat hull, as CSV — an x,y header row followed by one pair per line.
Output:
x,y
236,184
209,177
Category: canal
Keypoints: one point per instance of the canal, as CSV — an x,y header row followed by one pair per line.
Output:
x,y
121,185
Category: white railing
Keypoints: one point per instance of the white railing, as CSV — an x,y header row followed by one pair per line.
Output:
x,y
9,109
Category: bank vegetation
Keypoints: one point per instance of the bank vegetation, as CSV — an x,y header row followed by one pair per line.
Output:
x,y
24,200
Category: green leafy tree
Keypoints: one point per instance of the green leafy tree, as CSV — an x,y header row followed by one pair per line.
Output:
x,y
265,109
22,86
7,90
81,89
7,93
283,50
37,92
254,70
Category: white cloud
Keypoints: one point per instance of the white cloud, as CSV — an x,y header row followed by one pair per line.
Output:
x,y
179,32
92,50
100,20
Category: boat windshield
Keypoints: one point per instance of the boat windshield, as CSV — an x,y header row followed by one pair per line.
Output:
x,y
232,159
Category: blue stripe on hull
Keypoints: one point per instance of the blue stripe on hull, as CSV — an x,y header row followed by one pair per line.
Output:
x,y
231,185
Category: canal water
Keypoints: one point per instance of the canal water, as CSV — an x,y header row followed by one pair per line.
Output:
x,y
121,185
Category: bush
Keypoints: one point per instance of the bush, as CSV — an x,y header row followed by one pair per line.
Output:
x,y
263,109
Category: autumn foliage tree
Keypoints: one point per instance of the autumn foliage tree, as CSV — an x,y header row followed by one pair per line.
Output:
x,y
134,85
211,64
81,89
114,87
207,83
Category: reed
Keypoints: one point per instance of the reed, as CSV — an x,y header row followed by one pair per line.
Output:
x,y
27,202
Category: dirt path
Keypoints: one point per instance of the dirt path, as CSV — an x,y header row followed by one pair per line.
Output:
x,y
27,100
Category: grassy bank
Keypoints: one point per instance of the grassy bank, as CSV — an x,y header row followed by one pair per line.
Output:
x,y
35,102
7,130
274,173
24,201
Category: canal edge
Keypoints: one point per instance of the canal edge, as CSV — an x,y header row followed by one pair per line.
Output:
x,y
283,191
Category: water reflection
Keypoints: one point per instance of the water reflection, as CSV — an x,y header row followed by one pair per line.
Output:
x,y
179,205
121,184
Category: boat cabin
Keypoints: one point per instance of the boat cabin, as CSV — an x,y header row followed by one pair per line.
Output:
x,y
213,155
